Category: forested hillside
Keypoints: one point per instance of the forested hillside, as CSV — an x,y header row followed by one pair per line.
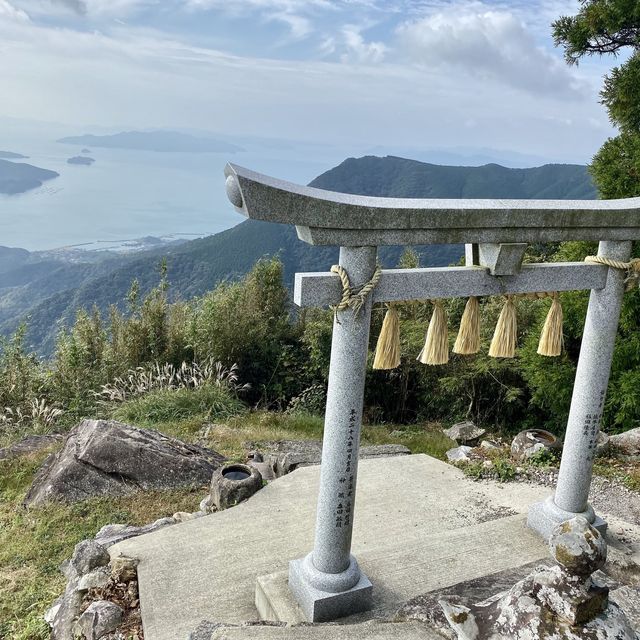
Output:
x,y
50,291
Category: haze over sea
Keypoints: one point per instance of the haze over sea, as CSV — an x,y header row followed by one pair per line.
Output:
x,y
129,194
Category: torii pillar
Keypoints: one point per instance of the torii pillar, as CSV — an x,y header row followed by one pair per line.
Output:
x,y
327,583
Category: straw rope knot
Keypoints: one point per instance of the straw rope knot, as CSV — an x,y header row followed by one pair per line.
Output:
x,y
354,298
632,269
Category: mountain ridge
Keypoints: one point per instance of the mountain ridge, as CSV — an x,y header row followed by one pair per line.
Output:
x,y
196,266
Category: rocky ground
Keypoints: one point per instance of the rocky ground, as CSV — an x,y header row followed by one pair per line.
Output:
x,y
615,489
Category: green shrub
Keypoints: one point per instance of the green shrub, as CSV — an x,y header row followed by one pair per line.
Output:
x,y
167,405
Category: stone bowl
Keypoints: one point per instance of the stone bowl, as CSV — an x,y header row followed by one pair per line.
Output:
x,y
231,484
528,443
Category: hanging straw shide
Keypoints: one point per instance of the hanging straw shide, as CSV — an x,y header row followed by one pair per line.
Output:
x,y
436,346
505,336
551,339
388,347
468,340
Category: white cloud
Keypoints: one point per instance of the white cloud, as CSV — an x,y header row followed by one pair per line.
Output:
x,y
128,77
95,9
9,12
360,50
488,43
78,6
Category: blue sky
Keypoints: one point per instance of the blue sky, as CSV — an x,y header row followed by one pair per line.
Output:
x,y
389,73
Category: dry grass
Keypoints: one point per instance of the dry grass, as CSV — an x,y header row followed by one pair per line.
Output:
x,y
34,543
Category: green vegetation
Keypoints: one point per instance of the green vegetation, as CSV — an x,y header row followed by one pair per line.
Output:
x,y
34,543
247,347
609,27
49,290
207,401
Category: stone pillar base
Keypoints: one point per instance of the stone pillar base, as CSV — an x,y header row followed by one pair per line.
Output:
x,y
323,606
545,516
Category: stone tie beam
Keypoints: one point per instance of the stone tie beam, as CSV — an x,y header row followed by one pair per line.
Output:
x,y
328,583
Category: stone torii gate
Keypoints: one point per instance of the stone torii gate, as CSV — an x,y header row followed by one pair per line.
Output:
x,y
328,583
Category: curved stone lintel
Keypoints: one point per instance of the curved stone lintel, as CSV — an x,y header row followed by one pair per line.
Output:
x,y
327,217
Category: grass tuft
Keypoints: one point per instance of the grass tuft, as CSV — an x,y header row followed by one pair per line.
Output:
x,y
166,405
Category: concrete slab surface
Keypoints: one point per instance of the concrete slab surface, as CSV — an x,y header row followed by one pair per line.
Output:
x,y
366,631
420,524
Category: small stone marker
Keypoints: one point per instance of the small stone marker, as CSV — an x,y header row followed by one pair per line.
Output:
x,y
558,602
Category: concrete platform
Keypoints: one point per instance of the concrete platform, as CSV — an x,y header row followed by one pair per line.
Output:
x,y
420,524
368,631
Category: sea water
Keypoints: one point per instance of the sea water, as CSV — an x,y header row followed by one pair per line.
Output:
x,y
128,194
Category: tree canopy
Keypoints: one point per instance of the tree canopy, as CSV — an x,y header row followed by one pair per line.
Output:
x,y
604,27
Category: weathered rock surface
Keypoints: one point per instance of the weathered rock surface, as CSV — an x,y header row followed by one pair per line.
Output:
x,y
285,456
124,569
111,534
99,619
465,433
627,444
459,454
104,457
30,444
231,485
88,555
527,443
562,602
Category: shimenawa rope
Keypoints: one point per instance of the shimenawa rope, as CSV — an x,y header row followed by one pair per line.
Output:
x,y
354,299
632,268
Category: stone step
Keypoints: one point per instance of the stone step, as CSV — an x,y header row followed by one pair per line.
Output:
x,y
365,631
416,564
414,530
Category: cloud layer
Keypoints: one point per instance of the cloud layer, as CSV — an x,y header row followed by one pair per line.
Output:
x,y
491,44
398,72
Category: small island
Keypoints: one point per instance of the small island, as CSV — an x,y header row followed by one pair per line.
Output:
x,y
161,141
18,177
10,155
84,160
86,151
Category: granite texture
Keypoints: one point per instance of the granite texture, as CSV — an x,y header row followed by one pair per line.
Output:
x,y
339,470
589,393
324,288
565,601
464,235
326,217
323,606
502,259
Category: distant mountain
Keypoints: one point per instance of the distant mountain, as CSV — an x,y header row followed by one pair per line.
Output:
x,y
18,177
49,290
398,177
165,141
10,155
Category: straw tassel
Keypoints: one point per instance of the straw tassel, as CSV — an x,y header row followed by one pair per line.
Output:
x,y
505,336
551,339
388,346
436,346
468,340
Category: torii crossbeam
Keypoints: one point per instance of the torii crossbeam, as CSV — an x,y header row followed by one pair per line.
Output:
x,y
328,583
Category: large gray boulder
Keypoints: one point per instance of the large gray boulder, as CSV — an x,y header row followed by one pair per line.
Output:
x,y
105,457
100,618
465,433
626,444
